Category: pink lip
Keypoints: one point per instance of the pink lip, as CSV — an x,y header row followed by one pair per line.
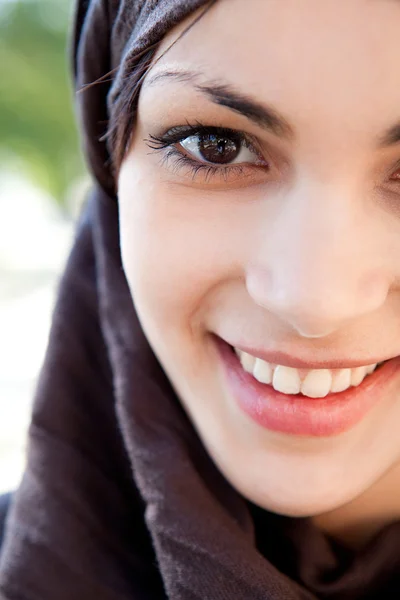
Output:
x,y
283,358
298,414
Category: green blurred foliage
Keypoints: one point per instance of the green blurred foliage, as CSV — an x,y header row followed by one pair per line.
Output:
x,y
37,123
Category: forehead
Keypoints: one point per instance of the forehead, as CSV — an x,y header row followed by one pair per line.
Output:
x,y
315,60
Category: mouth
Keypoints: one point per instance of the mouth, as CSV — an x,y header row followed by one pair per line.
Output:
x,y
304,402
313,383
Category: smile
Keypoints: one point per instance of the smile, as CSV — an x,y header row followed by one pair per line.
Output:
x,y
308,406
314,383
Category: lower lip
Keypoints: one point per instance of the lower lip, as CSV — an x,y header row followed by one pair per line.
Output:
x,y
297,414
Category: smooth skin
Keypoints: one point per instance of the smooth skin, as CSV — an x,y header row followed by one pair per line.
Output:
x,y
296,249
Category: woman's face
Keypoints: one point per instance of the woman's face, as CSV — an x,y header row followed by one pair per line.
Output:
x,y
260,209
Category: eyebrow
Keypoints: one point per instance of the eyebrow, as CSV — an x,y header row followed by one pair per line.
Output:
x,y
224,94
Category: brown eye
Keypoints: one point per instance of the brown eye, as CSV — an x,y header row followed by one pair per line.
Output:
x,y
219,148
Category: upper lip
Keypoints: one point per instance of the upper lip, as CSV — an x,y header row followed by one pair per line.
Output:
x,y
289,360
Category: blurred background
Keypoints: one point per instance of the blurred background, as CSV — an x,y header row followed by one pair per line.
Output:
x,y
42,186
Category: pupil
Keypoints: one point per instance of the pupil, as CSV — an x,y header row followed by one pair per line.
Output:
x,y
218,149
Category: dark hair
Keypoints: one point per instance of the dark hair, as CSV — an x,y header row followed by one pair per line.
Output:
x,y
121,124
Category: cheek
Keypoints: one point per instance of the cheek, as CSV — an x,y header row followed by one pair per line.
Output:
x,y
168,252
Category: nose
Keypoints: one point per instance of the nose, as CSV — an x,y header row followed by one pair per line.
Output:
x,y
318,262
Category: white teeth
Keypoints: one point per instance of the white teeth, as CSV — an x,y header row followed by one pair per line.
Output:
x,y
341,380
263,371
357,375
286,380
315,383
247,362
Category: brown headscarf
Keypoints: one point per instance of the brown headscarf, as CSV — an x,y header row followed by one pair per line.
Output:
x,y
120,500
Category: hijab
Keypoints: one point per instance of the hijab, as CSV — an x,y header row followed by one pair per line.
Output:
x,y
119,499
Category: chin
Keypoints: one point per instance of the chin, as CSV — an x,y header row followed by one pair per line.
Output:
x,y
292,500
293,504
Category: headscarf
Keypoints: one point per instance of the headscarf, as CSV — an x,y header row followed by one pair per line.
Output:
x,y
119,499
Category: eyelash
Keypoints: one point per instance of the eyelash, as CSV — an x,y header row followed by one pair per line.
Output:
x,y
166,142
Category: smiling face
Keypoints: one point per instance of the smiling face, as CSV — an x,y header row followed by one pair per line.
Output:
x,y
260,203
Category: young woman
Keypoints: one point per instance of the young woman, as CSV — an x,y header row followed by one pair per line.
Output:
x,y
218,415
